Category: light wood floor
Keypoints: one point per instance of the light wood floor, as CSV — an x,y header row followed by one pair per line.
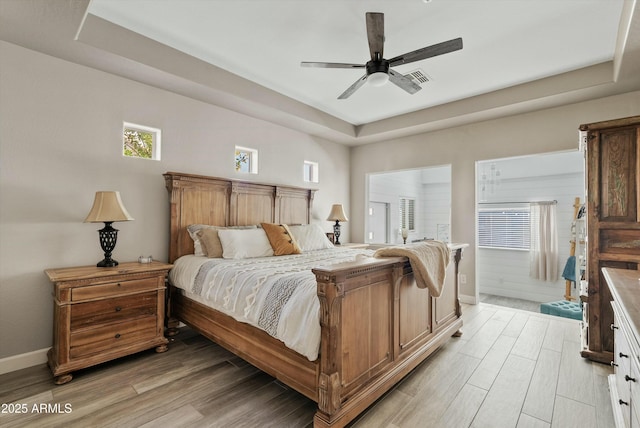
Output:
x,y
511,368
525,305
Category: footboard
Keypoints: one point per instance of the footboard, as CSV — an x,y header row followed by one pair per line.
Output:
x,y
377,326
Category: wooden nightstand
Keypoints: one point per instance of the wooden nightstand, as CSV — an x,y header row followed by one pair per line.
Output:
x,y
105,313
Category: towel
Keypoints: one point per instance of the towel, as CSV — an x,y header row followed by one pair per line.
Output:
x,y
429,261
569,272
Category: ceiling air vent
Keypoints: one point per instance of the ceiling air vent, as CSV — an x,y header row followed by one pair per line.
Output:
x,y
418,76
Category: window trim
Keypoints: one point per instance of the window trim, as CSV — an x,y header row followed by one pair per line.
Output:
x,y
156,142
253,159
313,176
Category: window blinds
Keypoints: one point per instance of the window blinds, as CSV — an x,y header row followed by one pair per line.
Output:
x,y
504,228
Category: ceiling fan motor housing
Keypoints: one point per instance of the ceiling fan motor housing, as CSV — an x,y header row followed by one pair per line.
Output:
x,y
380,66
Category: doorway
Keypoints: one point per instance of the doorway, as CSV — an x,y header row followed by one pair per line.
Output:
x,y
508,186
378,232
416,200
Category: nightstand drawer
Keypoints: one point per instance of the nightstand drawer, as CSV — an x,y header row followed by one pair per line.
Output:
x,y
105,311
96,340
114,288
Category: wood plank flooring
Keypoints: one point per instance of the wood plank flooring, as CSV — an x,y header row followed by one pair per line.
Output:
x,y
510,368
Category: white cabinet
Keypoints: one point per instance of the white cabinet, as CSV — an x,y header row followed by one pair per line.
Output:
x,y
624,383
620,382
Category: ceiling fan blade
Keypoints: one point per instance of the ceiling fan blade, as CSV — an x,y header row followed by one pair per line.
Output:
x,y
403,82
375,34
428,52
351,89
330,65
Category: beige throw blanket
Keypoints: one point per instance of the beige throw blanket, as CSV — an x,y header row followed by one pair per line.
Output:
x,y
429,261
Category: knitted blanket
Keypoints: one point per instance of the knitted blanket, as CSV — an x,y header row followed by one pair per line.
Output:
x,y
429,261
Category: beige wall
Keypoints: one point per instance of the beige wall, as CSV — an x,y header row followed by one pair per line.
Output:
x,y
60,134
60,141
538,132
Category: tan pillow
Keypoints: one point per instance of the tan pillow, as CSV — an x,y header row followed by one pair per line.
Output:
x,y
281,239
210,242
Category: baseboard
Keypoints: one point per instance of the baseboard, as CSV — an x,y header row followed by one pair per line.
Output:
x,y
551,296
22,361
465,298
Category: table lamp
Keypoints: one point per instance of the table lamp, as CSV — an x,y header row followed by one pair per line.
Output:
x,y
107,208
337,214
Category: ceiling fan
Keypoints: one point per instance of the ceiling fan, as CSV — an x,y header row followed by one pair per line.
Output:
x,y
378,70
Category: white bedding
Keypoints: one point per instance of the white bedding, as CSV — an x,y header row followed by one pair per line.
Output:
x,y
277,294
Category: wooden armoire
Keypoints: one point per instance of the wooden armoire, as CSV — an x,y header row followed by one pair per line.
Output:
x,y
613,223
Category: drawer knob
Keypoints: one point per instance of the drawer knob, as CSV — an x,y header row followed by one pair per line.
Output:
x,y
613,364
613,327
627,378
623,402
118,308
117,335
623,355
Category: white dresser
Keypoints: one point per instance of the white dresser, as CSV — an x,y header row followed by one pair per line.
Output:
x,y
624,384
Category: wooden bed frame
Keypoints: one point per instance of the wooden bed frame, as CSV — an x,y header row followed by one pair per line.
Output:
x,y
376,324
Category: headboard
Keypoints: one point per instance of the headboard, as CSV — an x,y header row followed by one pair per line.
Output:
x,y
198,199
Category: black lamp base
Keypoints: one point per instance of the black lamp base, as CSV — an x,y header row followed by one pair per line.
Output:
x,y
336,232
108,237
107,262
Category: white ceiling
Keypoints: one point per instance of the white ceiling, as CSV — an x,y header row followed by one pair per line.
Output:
x,y
506,43
244,55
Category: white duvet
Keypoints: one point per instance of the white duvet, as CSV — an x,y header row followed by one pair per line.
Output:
x,y
277,294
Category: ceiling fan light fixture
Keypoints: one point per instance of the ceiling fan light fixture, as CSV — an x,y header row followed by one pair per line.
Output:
x,y
378,69
379,78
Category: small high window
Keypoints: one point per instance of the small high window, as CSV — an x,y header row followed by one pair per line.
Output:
x,y
246,160
141,141
311,171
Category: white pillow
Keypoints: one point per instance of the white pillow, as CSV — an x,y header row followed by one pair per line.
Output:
x,y
244,243
194,228
310,237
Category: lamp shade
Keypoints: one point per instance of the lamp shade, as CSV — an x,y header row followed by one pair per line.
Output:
x,y
337,213
107,207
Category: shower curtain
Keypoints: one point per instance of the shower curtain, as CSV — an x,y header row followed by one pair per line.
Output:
x,y
543,256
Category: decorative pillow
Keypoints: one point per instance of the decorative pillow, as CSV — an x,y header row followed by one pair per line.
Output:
x,y
210,242
193,232
244,243
310,237
281,239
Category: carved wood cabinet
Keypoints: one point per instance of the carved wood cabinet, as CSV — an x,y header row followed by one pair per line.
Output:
x,y
613,223
105,313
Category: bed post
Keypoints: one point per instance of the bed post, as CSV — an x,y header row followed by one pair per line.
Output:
x,y
330,294
356,298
